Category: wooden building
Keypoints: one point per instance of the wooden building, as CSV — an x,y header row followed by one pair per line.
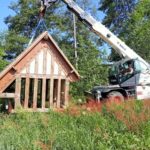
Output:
x,y
39,77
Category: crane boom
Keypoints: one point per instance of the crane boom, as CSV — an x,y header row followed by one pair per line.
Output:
x,y
123,84
97,27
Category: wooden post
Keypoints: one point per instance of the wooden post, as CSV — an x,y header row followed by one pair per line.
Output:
x,y
17,92
58,92
35,84
27,86
66,93
51,92
52,83
43,92
35,93
44,79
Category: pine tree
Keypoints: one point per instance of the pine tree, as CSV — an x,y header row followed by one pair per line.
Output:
x,y
116,13
3,62
138,31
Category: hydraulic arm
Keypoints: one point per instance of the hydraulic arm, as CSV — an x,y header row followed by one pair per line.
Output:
x,y
122,86
121,48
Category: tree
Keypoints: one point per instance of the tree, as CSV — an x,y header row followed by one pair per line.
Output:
x,y
138,31
20,25
60,26
89,57
116,13
3,62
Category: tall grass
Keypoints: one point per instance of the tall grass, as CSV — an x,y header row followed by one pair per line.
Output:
x,y
87,131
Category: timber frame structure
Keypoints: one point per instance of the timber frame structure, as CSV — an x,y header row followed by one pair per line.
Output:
x,y
39,77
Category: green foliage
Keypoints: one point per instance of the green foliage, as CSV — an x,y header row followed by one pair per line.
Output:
x,y
137,29
3,62
116,13
89,64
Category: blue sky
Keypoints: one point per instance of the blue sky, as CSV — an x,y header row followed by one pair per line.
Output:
x,y
4,12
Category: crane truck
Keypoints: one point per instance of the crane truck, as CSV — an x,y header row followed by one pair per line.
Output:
x,y
121,85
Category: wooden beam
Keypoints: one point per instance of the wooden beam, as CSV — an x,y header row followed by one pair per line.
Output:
x,y
51,92
58,92
17,92
44,79
35,93
67,93
7,95
44,61
27,86
43,92
51,100
59,88
52,65
41,76
36,65
35,84
62,93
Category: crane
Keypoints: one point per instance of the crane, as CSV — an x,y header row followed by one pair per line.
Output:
x,y
136,84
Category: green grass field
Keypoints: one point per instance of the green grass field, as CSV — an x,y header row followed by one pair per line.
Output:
x,y
125,126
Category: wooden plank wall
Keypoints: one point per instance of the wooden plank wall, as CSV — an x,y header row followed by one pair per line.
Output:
x,y
44,78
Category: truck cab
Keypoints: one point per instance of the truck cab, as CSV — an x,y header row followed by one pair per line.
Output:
x,y
119,72
124,83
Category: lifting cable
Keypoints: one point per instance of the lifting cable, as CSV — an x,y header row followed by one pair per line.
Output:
x,y
44,5
39,25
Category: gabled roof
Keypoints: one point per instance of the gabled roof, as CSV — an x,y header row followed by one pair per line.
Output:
x,y
30,48
50,40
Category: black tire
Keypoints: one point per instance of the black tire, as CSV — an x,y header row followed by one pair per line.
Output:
x,y
116,96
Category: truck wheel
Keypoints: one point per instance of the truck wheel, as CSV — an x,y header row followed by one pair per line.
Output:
x,y
115,96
